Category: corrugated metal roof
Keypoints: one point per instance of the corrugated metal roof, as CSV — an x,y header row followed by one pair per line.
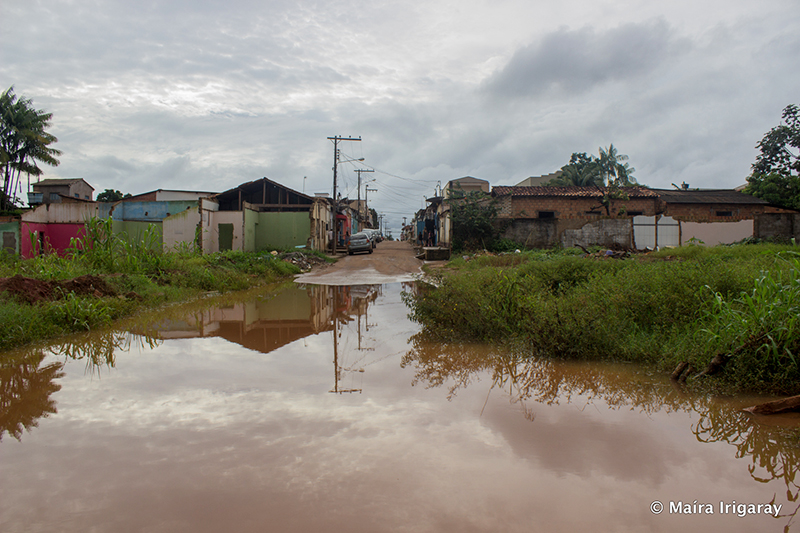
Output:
x,y
571,192
708,196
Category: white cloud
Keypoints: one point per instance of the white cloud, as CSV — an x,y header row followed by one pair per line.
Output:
x,y
211,94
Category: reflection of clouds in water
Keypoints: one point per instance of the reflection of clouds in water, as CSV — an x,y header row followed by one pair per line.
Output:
x,y
205,435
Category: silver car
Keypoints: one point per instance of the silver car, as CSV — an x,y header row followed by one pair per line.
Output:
x,y
359,242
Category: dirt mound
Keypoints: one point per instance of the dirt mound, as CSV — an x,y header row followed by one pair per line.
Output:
x,y
35,290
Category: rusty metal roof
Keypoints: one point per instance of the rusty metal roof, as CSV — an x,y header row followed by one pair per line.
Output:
x,y
569,192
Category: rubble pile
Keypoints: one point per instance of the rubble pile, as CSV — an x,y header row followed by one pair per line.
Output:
x,y
304,261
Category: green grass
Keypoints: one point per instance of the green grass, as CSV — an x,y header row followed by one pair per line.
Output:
x,y
650,309
141,277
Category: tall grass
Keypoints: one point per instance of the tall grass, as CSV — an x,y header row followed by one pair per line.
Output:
x,y
636,310
759,330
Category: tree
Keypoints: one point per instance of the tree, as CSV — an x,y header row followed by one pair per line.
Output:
x,y
110,195
24,142
613,168
581,171
472,218
776,172
608,169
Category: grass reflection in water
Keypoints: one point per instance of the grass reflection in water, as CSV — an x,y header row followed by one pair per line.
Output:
x,y
772,444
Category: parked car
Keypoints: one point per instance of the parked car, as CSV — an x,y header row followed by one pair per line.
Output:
x,y
374,236
359,242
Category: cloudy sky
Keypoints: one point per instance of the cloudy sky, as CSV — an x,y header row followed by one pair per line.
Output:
x,y
203,94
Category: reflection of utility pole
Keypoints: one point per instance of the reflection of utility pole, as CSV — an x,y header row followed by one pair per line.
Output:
x,y
337,369
336,140
360,216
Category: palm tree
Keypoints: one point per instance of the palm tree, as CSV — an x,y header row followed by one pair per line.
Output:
x,y
24,142
613,169
582,171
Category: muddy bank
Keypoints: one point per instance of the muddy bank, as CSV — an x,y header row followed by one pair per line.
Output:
x,y
33,291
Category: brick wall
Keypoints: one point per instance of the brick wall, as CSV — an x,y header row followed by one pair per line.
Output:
x,y
712,212
572,207
783,226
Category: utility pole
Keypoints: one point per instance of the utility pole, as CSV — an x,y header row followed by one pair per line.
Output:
x,y
360,218
366,190
336,140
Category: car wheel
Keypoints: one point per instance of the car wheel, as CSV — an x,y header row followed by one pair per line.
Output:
x,y
370,250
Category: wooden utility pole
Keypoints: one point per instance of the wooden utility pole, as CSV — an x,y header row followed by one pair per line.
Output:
x,y
366,191
336,140
360,218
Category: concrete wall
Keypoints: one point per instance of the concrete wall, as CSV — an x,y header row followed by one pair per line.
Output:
x,y
282,230
250,226
533,233
607,232
713,233
134,231
180,229
546,233
150,211
50,238
177,196
10,236
71,213
236,218
784,226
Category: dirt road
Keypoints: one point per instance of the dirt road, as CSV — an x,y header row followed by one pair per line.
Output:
x,y
391,262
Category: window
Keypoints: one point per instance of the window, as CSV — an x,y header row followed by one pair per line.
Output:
x,y
724,213
77,195
547,214
634,213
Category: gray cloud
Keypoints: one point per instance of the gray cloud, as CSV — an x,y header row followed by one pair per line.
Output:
x,y
245,89
575,61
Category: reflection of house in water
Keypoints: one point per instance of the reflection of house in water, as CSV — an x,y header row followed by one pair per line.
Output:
x,y
270,321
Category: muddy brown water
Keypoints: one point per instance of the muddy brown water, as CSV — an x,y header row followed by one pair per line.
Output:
x,y
322,408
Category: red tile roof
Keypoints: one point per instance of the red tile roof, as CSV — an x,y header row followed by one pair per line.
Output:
x,y
571,192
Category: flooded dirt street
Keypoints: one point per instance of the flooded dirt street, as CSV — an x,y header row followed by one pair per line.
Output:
x,y
315,408
390,262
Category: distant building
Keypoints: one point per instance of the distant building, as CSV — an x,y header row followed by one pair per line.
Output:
x,y
538,181
53,191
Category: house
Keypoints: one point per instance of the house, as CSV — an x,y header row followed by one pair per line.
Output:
x,y
168,195
633,217
454,190
539,181
715,216
541,217
56,190
263,214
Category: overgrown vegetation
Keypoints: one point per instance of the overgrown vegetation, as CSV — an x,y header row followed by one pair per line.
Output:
x,y
138,274
685,304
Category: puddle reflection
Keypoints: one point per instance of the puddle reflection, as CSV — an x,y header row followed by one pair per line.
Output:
x,y
772,443
196,382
